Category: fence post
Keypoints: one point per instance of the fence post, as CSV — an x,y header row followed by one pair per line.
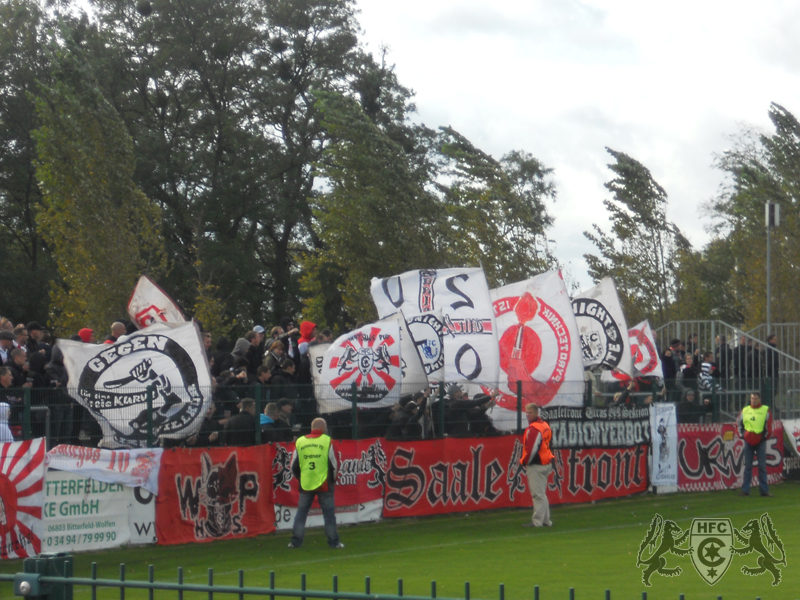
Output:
x,y
354,413
441,407
589,390
519,407
26,414
258,414
150,395
48,564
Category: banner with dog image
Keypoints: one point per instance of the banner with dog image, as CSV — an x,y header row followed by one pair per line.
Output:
x,y
360,483
368,359
539,346
602,328
165,363
208,494
711,457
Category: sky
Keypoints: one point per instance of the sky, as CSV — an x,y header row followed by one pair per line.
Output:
x,y
668,84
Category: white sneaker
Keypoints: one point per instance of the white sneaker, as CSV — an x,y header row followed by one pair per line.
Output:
x,y
337,546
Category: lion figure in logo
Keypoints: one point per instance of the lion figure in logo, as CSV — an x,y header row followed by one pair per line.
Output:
x,y
663,537
753,535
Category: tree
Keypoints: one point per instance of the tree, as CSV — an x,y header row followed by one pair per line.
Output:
x,y
763,168
103,230
639,253
23,60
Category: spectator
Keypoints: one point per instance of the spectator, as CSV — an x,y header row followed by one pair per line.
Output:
x,y
210,430
87,336
21,335
723,357
34,337
690,410
284,382
308,332
275,356
241,429
222,354
273,427
117,331
19,367
739,359
13,397
687,376
207,346
5,432
405,418
252,354
771,357
693,346
6,345
755,366
63,417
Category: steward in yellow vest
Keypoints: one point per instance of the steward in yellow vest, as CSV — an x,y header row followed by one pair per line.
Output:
x,y
755,427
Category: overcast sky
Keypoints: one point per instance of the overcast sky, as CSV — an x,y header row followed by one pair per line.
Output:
x,y
666,83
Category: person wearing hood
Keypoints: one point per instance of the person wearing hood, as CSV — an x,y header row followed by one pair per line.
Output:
x,y
308,331
63,417
239,351
5,431
87,336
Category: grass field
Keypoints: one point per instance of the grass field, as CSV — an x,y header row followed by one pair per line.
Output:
x,y
592,547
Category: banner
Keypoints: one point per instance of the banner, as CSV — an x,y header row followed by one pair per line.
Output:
x,y
598,427
462,295
214,493
711,457
133,468
664,433
369,358
427,331
112,382
149,304
601,325
414,378
21,498
644,354
316,355
359,490
465,475
539,346
791,427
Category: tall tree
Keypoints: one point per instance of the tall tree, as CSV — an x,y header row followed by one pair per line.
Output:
x,y
763,168
639,252
23,61
103,230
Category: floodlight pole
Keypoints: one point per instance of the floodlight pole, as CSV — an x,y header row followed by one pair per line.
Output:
x,y
772,214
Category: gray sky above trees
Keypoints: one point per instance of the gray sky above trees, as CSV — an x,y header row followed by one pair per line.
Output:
x,y
665,83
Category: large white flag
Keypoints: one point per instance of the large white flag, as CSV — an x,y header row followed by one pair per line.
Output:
x,y
414,377
113,383
601,325
367,358
427,330
462,295
644,354
150,304
539,346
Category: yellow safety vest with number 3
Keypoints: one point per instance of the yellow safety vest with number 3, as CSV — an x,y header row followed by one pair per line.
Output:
x,y
312,454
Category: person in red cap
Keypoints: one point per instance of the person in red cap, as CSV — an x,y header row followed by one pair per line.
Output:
x,y
87,336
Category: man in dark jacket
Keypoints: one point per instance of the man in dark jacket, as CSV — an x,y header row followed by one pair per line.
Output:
x,y
241,429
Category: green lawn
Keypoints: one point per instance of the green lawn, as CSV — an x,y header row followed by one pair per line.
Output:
x,y
592,547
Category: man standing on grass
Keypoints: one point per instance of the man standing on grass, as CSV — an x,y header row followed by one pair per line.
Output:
x,y
755,427
537,459
314,465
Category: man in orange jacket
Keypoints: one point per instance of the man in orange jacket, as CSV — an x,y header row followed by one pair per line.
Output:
x,y
537,459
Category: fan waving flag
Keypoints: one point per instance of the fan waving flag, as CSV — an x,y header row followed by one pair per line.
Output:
x,y
539,346
601,325
21,498
150,304
369,359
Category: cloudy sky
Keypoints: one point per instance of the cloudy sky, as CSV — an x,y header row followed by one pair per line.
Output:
x,y
666,83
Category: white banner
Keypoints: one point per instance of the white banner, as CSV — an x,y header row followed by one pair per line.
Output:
x,y
132,468
539,346
21,497
462,295
427,330
791,427
644,354
602,327
149,304
81,513
413,372
316,355
664,436
369,358
112,382
345,515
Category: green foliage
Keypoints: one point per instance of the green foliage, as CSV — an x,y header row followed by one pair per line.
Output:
x,y
763,168
103,230
640,251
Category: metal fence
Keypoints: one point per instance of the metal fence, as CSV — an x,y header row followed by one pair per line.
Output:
x,y
50,577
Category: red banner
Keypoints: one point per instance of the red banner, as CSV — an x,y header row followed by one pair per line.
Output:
x,y
214,493
359,485
711,457
459,475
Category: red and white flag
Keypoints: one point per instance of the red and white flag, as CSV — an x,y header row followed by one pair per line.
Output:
x,y
21,498
150,304
539,346
644,354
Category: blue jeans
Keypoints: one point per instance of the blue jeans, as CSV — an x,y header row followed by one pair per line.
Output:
x,y
328,514
761,454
